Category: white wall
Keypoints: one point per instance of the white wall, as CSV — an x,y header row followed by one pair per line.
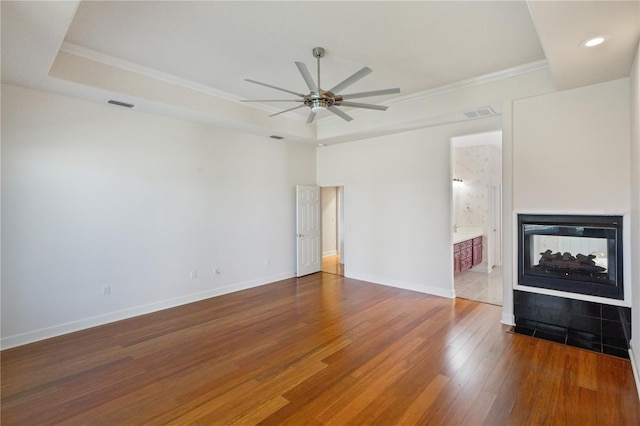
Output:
x,y
635,209
94,196
571,154
398,187
329,220
397,204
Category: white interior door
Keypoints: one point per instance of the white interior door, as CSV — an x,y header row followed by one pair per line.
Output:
x,y
496,225
308,230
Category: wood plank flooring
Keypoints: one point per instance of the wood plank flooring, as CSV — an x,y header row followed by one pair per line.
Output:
x,y
319,350
331,264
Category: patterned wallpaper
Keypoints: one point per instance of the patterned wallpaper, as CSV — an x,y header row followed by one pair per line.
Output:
x,y
480,167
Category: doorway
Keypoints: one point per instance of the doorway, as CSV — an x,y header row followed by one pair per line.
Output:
x,y
332,219
476,163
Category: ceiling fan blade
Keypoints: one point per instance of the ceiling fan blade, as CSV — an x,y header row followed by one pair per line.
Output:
x,y
287,110
312,115
339,113
350,80
272,100
307,76
274,87
371,93
361,105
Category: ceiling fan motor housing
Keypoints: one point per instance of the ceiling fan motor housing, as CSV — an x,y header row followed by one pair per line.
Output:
x,y
323,99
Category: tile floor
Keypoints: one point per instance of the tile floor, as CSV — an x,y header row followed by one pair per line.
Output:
x,y
480,286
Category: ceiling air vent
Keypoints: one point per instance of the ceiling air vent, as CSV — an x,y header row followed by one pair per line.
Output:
x,y
276,137
121,104
479,112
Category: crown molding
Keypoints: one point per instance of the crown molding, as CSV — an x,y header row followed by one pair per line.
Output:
x,y
93,55
84,52
474,81
470,82
109,60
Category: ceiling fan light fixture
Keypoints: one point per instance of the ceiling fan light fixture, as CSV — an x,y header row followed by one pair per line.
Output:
x,y
318,105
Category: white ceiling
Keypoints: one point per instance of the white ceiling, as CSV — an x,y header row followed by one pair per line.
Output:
x,y
190,59
218,44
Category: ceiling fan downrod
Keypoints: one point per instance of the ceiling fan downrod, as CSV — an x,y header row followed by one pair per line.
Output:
x,y
321,99
318,52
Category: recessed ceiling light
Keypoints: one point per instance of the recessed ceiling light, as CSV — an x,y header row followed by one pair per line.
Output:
x,y
321,144
595,41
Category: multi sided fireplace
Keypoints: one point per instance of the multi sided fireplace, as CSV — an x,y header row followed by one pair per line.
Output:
x,y
571,253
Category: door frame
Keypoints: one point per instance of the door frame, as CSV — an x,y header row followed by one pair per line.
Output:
x,y
498,260
342,218
496,249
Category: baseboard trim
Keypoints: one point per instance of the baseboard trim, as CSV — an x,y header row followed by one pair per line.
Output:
x,y
329,253
70,327
634,368
406,285
508,319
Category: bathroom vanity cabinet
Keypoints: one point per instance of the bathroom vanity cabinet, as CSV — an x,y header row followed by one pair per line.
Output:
x,y
467,254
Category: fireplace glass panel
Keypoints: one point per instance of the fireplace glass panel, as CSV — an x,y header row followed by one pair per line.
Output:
x,y
570,252
594,248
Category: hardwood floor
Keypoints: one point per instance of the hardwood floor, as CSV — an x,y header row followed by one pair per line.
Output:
x,y
319,350
332,265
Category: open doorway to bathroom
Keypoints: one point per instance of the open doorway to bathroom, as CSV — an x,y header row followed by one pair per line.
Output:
x,y
332,199
476,216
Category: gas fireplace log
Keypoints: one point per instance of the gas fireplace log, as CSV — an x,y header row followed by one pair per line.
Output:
x,y
587,260
566,261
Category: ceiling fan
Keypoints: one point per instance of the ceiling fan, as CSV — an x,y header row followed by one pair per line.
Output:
x,y
319,100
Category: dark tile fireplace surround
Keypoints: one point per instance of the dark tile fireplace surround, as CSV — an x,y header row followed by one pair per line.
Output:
x,y
573,254
588,325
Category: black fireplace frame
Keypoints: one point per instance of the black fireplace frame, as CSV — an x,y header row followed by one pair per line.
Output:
x,y
612,224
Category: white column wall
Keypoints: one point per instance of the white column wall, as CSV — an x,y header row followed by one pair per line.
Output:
x,y
571,154
634,164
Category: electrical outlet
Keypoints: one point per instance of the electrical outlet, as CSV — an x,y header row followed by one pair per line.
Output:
x,y
194,275
106,290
